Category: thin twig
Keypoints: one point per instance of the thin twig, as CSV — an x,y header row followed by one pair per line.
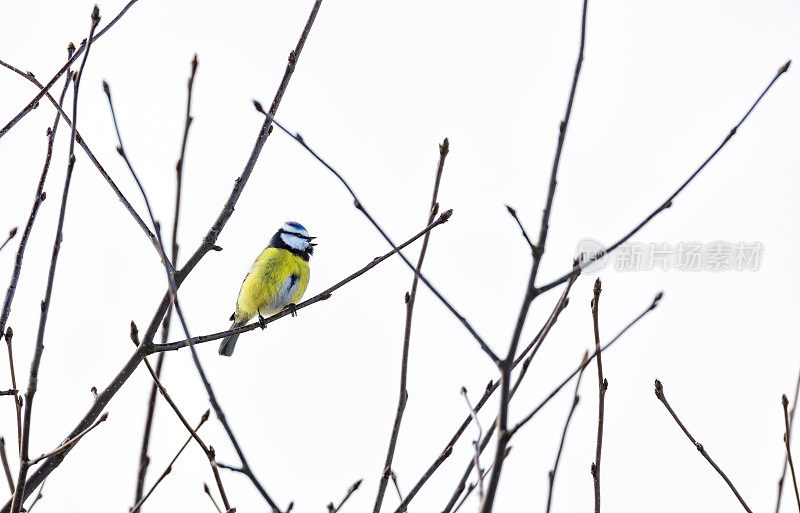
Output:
x,y
12,286
659,389
69,443
531,292
491,387
360,206
602,386
6,467
322,296
411,297
17,398
668,202
476,443
580,368
167,470
208,244
350,492
208,492
785,458
11,234
785,403
513,213
82,143
19,490
72,58
396,485
38,497
207,450
525,366
144,459
551,476
472,486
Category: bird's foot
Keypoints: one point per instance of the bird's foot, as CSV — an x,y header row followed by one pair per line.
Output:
x,y
292,309
262,321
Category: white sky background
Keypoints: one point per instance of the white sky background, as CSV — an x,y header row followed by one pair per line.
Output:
x,y
378,86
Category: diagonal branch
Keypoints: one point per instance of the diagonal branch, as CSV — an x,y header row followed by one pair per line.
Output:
x,y
789,431
322,296
82,143
531,291
207,450
668,202
72,58
490,388
69,443
551,476
144,459
785,403
208,244
350,492
23,243
19,490
659,389
411,298
138,505
11,234
360,206
6,467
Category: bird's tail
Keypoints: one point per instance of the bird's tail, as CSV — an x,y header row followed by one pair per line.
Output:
x,y
229,342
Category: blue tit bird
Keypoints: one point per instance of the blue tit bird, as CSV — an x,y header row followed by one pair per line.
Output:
x,y
276,281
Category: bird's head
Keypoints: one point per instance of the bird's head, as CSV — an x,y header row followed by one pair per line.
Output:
x,y
295,236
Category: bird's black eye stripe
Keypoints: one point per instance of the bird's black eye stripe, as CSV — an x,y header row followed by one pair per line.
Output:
x,y
306,237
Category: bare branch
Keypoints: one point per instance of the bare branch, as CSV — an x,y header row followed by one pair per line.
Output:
x,y
786,458
69,443
360,206
531,291
602,386
17,398
12,286
144,459
580,368
38,497
19,490
322,296
659,389
208,244
551,476
82,143
72,58
350,492
396,485
476,443
513,213
785,402
668,202
490,388
472,486
167,470
207,450
11,234
208,492
411,297
6,467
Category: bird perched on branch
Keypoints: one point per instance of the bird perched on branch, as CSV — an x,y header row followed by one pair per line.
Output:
x,y
276,281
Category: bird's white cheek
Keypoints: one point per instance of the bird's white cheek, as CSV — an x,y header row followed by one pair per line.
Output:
x,y
294,242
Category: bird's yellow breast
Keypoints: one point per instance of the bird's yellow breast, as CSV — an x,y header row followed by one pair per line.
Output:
x,y
278,277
